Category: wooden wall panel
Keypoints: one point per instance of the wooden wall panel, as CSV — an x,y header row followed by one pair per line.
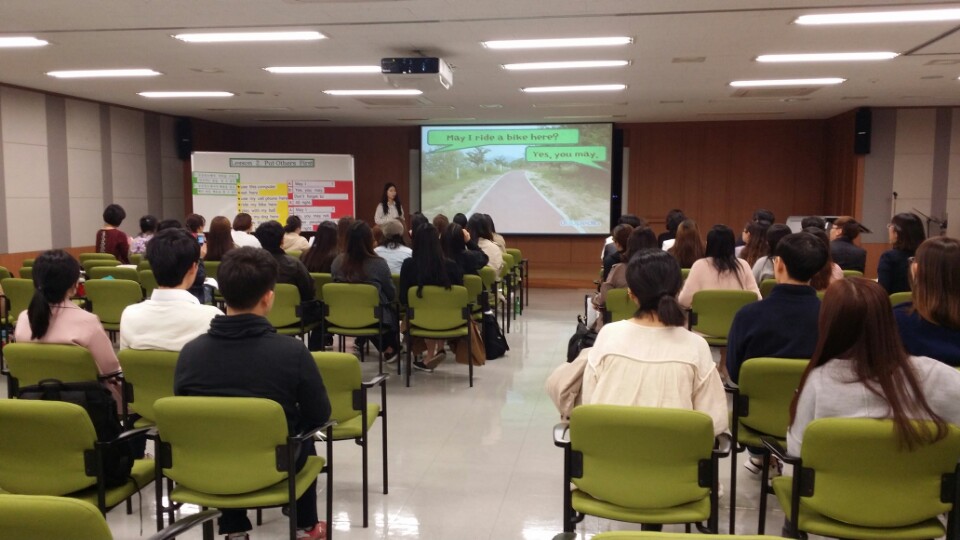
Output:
x,y
844,169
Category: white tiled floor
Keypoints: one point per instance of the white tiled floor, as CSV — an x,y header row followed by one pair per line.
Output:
x,y
470,463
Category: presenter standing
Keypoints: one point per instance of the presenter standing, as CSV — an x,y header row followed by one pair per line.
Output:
x,y
390,207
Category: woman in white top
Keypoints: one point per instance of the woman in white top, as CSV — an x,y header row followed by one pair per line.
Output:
x,y
651,359
292,241
390,207
478,228
720,269
860,370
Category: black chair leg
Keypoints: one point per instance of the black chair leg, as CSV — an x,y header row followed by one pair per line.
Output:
x,y
366,494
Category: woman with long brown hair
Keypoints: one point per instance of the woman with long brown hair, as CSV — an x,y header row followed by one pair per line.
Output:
x,y
930,324
860,370
219,239
756,243
688,246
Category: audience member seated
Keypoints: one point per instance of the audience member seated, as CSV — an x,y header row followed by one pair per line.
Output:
x,y
392,247
441,222
324,249
171,316
640,239
148,227
196,289
687,247
497,239
848,256
110,239
477,225
219,239
621,235
625,219
292,241
460,219
652,360
763,268
343,225
860,370
755,236
456,244
813,221
830,271
906,234
243,231
390,207
764,216
194,224
930,325
289,270
720,269
673,220
52,318
241,356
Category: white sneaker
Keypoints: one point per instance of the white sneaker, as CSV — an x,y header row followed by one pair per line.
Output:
x,y
755,463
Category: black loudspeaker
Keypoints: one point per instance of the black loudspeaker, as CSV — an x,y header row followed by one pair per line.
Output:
x,y
616,177
184,134
861,135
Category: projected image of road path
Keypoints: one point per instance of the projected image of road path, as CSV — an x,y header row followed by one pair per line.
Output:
x,y
516,205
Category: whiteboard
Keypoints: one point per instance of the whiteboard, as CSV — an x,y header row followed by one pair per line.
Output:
x,y
315,187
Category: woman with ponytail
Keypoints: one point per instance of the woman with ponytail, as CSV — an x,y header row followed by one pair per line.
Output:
x,y
53,318
651,359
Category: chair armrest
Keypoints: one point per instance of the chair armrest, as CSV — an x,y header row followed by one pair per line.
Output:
x,y
561,434
380,379
309,434
731,387
184,524
127,435
774,447
723,443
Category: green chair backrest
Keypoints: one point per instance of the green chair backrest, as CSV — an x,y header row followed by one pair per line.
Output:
x,y
110,297
516,254
766,286
624,447
90,256
619,305
715,310
4,273
26,272
19,292
474,285
342,377
507,264
31,363
116,272
439,309
319,280
396,287
135,258
144,264
770,384
865,477
351,305
28,263
151,374
211,268
295,253
210,454
148,282
286,298
42,445
684,272
41,517
93,263
489,278
852,273
901,297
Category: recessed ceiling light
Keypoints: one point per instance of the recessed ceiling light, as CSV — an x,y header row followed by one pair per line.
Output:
x,y
583,116
827,57
787,82
556,43
226,37
565,65
491,106
78,74
324,69
578,88
184,94
22,41
401,92
926,15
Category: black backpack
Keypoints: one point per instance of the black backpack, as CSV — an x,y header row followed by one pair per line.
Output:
x,y
102,409
493,339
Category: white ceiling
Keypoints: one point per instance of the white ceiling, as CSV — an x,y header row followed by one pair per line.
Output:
x,y
100,34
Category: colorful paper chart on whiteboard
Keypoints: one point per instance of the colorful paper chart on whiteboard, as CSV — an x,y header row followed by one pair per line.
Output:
x,y
315,187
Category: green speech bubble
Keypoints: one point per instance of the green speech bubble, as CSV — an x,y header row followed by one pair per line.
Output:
x,y
584,155
458,139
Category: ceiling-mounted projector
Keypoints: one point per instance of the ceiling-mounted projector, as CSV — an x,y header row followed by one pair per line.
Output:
x,y
422,73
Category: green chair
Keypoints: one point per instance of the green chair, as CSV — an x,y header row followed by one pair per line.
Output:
x,y
51,448
645,535
148,282
895,298
286,316
761,408
319,280
440,314
93,263
684,272
28,263
41,517
351,410
147,376
107,298
4,273
17,293
211,268
26,272
116,272
491,284
353,309
618,306
216,465
854,479
766,286
523,266
852,273
640,465
712,313
507,279
91,256
135,258
476,294
30,363
295,253
144,264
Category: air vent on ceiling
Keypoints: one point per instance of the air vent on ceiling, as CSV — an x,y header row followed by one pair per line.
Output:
x,y
250,109
689,60
738,114
943,62
854,98
400,103
582,105
782,92
291,120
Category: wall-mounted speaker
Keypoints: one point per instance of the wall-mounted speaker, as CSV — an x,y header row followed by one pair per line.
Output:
x,y
861,134
184,134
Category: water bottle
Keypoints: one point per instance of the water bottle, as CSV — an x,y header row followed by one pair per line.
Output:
x,y
516,303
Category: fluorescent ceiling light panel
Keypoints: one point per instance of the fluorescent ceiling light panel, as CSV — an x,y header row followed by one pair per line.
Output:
x,y
556,43
228,37
787,82
925,15
827,57
580,88
565,65
184,94
403,92
22,41
79,74
324,69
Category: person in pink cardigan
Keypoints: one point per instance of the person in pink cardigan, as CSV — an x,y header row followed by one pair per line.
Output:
x,y
53,318
719,269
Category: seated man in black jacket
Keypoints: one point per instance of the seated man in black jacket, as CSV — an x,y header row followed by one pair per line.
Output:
x,y
845,253
243,356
